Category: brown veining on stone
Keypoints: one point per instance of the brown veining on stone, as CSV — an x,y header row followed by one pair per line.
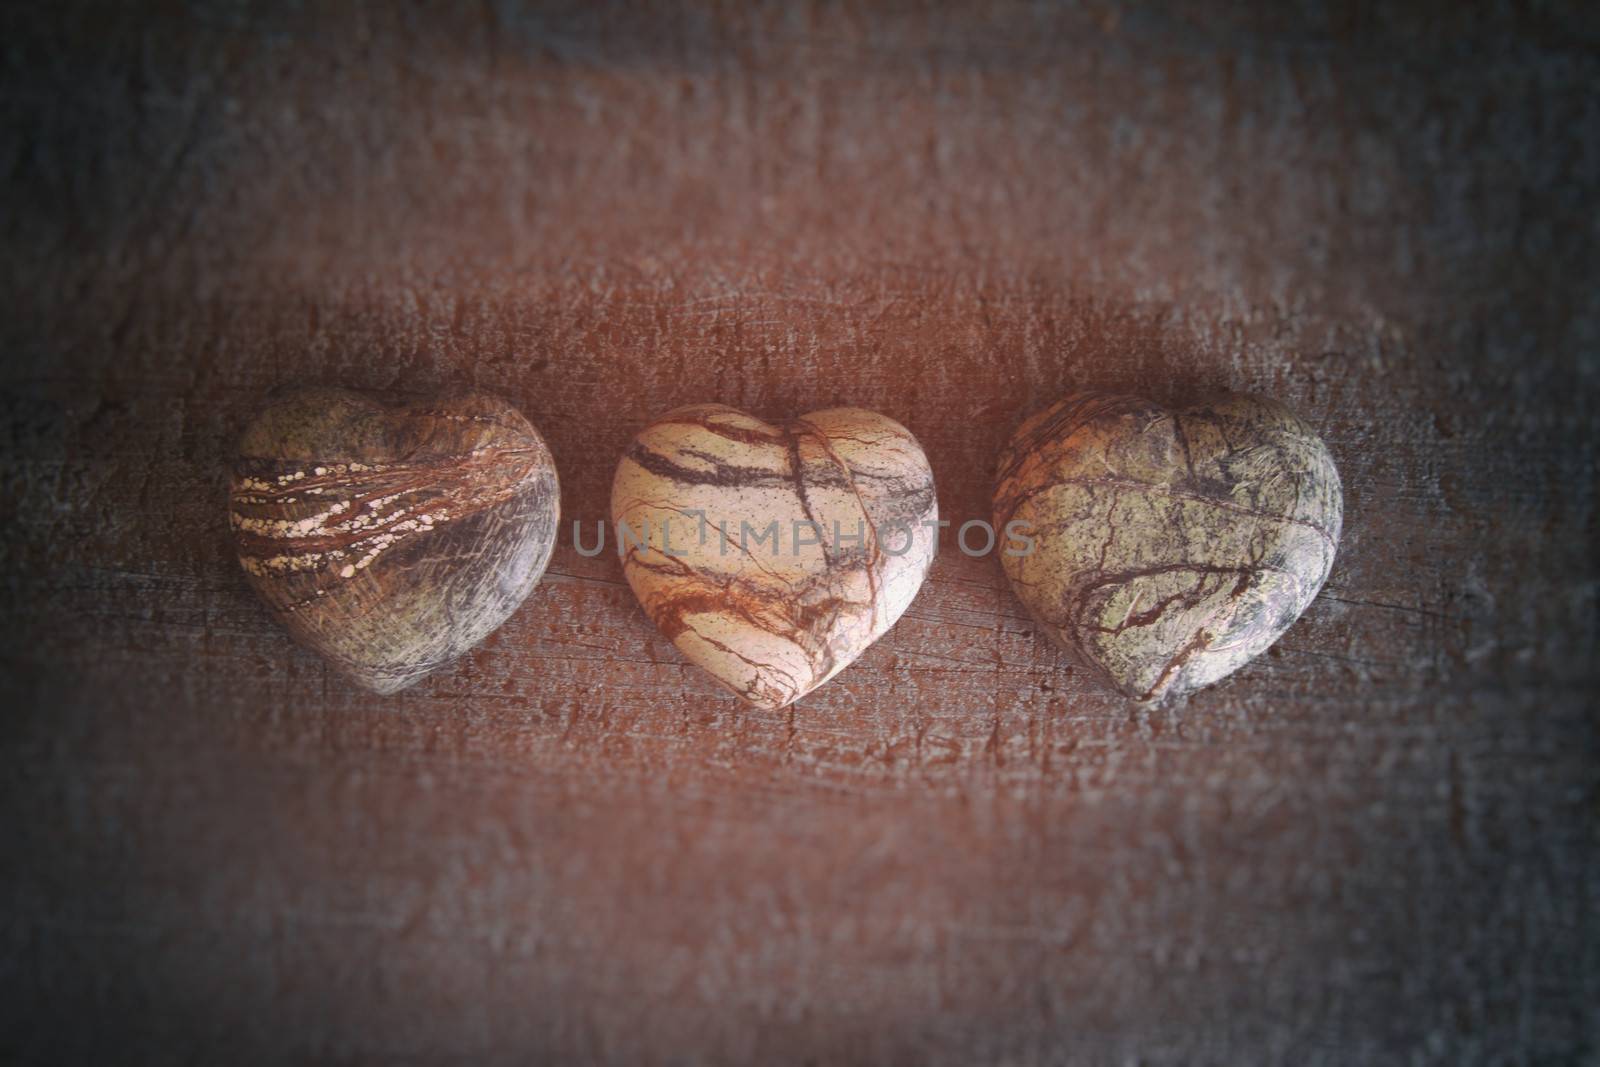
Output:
x,y
391,539
1172,545
773,617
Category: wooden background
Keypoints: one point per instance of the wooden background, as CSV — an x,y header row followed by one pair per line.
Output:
x,y
1375,844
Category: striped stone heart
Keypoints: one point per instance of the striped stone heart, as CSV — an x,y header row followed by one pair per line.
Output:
x,y
773,555
392,538
1169,547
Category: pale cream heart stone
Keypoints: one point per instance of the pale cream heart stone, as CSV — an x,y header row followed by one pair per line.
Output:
x,y
1170,546
773,617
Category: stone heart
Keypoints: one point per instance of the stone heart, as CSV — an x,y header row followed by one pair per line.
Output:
x,y
1171,547
391,539
772,556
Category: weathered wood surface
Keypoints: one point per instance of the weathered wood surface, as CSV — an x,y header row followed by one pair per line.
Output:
x,y
1374,844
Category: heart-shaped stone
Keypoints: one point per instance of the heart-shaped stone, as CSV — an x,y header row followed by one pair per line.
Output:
x,y
1169,546
392,538
772,556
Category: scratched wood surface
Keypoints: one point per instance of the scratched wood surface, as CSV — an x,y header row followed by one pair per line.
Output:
x,y
1375,844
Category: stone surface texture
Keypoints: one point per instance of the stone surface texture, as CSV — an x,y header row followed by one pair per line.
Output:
x,y
1376,845
392,538
1168,548
774,555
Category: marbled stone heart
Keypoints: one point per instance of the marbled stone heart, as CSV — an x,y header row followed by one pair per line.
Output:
x,y
391,539
772,556
1171,546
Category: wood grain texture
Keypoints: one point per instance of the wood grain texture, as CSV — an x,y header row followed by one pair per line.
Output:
x,y
392,537
1166,547
1376,843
